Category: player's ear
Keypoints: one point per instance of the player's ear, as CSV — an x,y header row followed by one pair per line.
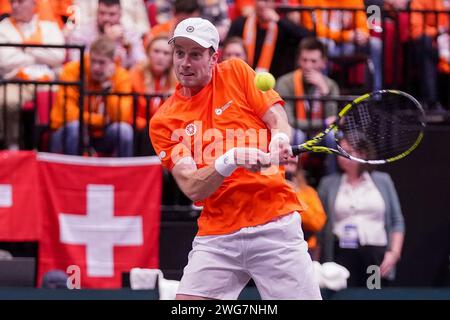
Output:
x,y
214,58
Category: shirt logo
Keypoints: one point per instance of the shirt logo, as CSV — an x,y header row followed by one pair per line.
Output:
x,y
190,29
162,155
191,129
220,110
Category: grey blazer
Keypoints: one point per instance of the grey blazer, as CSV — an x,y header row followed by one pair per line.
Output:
x,y
328,189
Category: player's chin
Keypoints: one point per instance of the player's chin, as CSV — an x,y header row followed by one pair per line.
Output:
x,y
186,80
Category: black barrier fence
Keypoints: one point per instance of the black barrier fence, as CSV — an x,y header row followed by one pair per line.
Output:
x,y
26,106
400,48
35,100
141,111
35,106
23,95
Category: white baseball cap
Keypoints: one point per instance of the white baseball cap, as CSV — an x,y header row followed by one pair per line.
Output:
x,y
199,30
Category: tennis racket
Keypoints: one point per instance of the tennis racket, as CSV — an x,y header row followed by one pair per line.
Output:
x,y
380,127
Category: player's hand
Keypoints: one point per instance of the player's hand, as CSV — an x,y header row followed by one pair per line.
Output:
x,y
280,152
251,159
389,261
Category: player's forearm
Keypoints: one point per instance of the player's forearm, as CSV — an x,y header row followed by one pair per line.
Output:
x,y
199,184
276,120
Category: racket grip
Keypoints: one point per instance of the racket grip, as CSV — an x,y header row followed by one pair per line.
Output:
x,y
296,150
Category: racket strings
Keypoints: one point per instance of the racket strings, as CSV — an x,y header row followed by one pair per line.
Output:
x,y
382,126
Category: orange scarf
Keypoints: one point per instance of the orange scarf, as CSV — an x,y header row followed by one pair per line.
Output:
x,y
270,40
298,92
301,105
35,38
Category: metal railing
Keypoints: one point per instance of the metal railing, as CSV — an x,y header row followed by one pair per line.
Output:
x,y
21,83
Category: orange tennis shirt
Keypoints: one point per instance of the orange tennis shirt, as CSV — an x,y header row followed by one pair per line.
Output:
x,y
226,113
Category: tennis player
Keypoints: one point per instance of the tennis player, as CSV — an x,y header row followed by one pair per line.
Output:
x,y
250,223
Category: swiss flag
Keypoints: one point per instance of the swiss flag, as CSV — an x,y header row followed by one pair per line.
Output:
x,y
19,214
102,215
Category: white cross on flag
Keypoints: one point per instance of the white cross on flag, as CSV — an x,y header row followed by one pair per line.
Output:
x,y
103,216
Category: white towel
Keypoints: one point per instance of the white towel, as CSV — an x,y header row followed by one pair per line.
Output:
x,y
146,279
331,275
167,288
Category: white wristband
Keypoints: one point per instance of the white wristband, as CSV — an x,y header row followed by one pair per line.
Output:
x,y
279,136
225,164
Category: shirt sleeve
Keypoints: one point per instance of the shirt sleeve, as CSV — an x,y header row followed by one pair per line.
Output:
x,y
168,143
260,101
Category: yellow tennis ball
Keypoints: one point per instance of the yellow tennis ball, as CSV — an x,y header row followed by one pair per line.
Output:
x,y
264,81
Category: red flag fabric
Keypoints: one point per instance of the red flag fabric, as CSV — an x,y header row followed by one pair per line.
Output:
x,y
100,216
19,214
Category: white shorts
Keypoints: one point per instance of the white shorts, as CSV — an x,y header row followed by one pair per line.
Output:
x,y
274,255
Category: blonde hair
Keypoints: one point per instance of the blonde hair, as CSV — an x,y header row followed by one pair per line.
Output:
x,y
104,46
147,67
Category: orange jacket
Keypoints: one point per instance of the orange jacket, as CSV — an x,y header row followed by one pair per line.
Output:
x,y
431,25
341,28
313,217
117,108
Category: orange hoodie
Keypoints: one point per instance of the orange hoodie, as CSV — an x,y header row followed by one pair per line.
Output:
x,y
117,108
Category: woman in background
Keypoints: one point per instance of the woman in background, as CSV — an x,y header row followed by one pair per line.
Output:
x,y
155,76
365,223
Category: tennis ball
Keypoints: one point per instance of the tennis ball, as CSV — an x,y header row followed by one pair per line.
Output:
x,y
264,81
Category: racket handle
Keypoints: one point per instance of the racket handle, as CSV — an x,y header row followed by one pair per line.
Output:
x,y
296,150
